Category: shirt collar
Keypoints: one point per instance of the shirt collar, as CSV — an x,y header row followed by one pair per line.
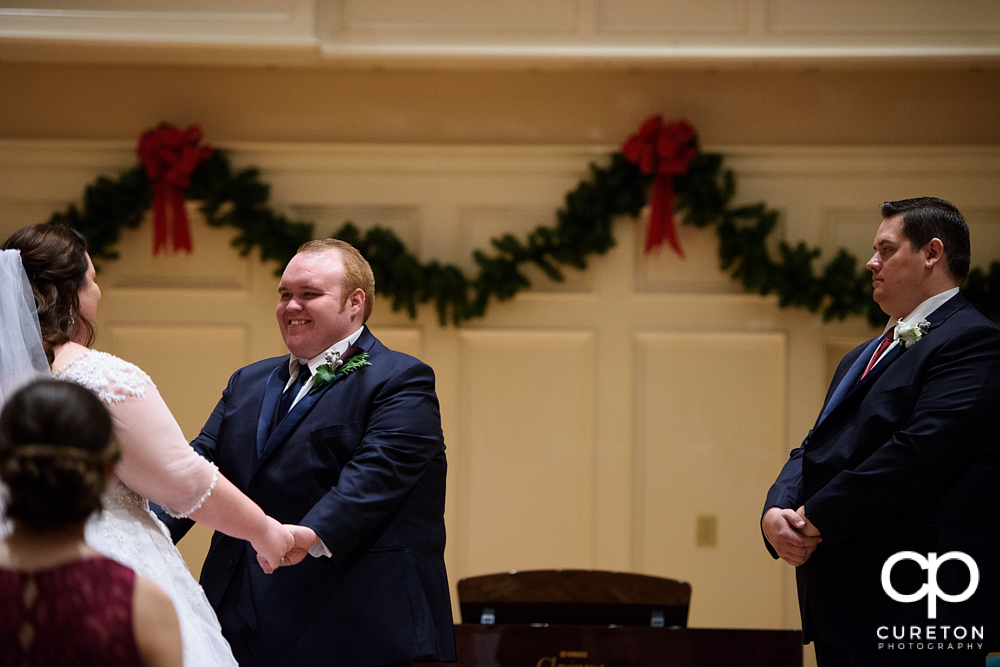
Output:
x,y
339,347
922,311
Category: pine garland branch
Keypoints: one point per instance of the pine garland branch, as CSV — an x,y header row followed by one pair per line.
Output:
x,y
108,206
583,227
982,290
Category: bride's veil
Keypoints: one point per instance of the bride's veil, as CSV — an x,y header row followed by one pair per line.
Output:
x,y
22,357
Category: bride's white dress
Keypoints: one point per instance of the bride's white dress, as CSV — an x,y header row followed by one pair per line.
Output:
x,y
157,464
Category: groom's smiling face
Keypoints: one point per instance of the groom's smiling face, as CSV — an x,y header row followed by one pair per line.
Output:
x,y
312,313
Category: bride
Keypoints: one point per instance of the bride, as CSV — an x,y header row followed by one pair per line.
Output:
x,y
157,463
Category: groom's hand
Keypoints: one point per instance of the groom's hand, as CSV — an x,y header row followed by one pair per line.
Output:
x,y
304,539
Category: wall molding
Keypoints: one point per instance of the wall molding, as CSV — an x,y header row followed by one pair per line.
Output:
x,y
515,33
507,159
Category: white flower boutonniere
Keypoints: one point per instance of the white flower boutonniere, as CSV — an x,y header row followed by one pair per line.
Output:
x,y
353,359
908,334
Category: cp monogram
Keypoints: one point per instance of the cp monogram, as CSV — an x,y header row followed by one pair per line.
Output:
x,y
930,590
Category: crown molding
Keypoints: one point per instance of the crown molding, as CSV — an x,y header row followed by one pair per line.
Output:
x,y
514,34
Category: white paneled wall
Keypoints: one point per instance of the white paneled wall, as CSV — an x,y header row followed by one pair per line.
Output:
x,y
630,419
525,461
710,424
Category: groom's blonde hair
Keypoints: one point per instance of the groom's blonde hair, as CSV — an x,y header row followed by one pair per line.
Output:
x,y
357,271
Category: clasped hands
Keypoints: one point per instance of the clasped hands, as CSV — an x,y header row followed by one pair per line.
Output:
x,y
791,533
284,545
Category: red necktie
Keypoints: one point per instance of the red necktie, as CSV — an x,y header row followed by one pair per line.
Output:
x,y
886,342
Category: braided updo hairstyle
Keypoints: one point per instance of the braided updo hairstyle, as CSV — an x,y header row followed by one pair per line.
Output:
x,y
56,448
55,259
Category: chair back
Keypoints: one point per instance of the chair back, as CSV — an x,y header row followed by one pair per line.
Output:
x,y
576,597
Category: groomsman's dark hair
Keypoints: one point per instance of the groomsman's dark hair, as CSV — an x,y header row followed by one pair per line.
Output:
x,y
925,218
357,271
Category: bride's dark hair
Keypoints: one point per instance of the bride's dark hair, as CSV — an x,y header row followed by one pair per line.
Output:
x,y
55,259
55,451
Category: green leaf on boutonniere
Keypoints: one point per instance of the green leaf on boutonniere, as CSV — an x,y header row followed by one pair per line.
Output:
x,y
354,363
334,366
323,376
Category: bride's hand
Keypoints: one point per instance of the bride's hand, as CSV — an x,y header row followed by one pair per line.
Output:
x,y
272,546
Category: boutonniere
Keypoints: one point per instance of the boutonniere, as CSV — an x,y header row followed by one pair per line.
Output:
x,y
908,334
336,364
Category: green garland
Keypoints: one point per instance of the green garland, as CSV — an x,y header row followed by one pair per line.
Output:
x,y
583,228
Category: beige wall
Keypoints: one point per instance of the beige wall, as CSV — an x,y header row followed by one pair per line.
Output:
x,y
634,460
750,106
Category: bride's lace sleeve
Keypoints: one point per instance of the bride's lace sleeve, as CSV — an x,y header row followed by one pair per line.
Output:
x,y
157,461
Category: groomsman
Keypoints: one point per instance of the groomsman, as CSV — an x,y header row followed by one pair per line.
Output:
x,y
888,509
342,436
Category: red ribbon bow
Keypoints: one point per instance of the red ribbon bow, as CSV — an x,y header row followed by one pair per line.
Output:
x,y
169,155
666,151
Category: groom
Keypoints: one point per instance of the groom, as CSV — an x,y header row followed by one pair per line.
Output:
x,y
354,453
900,471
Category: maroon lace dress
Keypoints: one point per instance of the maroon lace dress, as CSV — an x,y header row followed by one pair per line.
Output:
x,y
79,613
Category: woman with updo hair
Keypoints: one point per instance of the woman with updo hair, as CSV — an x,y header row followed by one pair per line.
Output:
x,y
61,602
157,463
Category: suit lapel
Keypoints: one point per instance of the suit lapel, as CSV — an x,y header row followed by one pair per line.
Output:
x,y
268,444
935,319
849,380
291,420
947,309
272,394
850,384
883,363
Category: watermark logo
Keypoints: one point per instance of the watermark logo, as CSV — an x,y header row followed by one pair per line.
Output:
x,y
930,590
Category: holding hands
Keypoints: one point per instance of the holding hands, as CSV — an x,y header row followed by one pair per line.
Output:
x,y
272,545
792,535
283,545
304,539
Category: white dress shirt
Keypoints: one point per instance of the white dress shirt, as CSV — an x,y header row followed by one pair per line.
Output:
x,y
293,364
319,549
919,313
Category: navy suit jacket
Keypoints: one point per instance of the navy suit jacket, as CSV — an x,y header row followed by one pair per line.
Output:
x,y
362,463
905,459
